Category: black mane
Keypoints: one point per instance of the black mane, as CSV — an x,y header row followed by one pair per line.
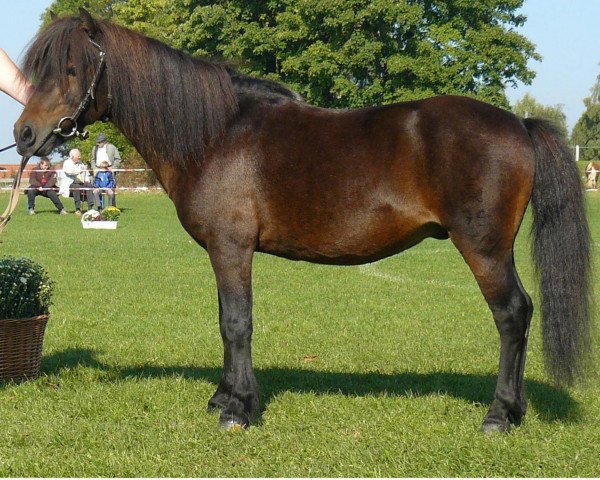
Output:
x,y
259,88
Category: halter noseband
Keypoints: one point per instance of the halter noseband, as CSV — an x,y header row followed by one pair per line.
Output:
x,y
85,103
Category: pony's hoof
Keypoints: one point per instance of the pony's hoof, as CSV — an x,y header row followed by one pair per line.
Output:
x,y
232,422
232,425
493,428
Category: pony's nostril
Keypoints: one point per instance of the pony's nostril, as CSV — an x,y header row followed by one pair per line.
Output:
x,y
27,135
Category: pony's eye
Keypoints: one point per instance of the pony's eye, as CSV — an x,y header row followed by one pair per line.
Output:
x,y
71,71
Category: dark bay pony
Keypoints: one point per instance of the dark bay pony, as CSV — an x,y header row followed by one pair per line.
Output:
x,y
252,168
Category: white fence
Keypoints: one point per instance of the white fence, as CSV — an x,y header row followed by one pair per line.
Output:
x,y
7,178
578,148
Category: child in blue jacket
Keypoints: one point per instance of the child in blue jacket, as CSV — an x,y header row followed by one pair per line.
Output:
x,y
104,182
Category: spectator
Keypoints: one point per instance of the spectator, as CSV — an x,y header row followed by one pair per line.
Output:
x,y
43,182
12,81
76,180
105,152
104,182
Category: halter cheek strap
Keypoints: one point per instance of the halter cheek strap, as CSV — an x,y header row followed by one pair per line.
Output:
x,y
85,102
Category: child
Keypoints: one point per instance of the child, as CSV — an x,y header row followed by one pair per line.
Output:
x,y
104,182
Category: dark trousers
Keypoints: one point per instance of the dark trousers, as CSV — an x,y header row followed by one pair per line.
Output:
x,y
77,194
51,194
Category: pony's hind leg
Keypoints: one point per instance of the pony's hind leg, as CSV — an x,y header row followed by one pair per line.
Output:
x,y
512,310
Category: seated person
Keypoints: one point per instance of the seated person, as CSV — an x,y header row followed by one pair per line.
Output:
x,y
104,182
76,180
43,182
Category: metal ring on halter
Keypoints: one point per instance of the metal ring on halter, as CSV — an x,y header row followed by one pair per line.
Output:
x,y
58,130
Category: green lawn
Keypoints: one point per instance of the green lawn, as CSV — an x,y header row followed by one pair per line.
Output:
x,y
380,370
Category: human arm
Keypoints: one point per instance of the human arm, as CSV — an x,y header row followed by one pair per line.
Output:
x,y
12,81
116,160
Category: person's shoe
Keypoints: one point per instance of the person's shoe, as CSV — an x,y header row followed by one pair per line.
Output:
x,y
31,211
63,212
78,213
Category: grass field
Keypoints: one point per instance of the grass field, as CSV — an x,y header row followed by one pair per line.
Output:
x,y
380,370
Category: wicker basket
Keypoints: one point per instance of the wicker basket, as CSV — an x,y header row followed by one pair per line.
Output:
x,y
21,343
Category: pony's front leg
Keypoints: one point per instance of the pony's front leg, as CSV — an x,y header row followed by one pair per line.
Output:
x,y
237,395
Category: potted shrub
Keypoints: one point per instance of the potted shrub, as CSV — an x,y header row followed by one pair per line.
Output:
x,y
107,219
26,293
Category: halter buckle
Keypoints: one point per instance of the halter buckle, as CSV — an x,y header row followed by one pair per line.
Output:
x,y
59,130
73,133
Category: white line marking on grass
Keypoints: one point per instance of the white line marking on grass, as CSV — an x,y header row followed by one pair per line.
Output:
x,y
427,251
371,271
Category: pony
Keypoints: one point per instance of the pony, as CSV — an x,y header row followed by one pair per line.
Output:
x,y
251,167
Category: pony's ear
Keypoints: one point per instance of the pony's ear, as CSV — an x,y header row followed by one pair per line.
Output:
x,y
87,22
53,16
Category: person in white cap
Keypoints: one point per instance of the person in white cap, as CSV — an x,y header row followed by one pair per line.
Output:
x,y
104,151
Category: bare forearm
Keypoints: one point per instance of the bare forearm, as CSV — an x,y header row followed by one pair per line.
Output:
x,y
12,81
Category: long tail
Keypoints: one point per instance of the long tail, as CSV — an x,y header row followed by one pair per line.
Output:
x,y
562,254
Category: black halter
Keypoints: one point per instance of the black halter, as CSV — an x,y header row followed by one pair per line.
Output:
x,y
85,103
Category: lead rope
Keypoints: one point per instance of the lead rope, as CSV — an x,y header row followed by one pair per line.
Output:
x,y
8,148
14,196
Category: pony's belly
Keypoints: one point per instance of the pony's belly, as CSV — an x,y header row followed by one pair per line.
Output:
x,y
349,247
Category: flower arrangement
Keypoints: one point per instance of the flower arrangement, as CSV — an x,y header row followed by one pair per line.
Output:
x,y
109,214
25,288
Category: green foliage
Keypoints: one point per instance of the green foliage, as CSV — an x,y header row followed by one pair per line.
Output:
x,y
351,53
528,106
586,132
347,53
25,288
100,8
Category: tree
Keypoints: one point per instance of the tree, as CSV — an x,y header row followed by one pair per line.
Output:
x,y
528,106
348,53
100,8
351,53
586,132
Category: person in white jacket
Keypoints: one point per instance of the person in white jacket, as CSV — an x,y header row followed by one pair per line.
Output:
x,y
76,179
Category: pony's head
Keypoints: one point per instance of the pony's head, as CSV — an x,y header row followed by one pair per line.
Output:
x,y
65,63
